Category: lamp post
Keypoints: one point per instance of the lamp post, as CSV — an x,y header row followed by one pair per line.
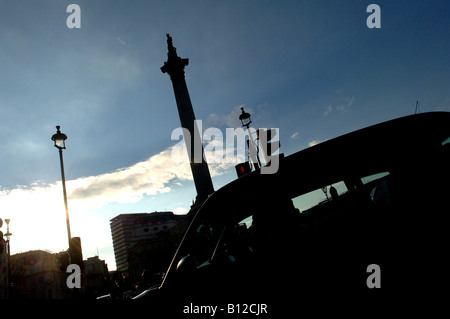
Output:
x,y
8,247
60,143
245,121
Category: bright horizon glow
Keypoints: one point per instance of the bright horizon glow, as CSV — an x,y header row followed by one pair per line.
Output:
x,y
38,211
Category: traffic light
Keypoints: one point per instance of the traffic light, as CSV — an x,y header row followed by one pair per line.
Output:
x,y
243,168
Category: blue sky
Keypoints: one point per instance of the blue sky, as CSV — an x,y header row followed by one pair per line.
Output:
x,y
313,69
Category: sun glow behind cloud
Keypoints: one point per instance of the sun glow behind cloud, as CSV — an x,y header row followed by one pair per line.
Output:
x,y
37,211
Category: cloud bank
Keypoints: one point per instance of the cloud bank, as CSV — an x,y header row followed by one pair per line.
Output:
x,y
36,210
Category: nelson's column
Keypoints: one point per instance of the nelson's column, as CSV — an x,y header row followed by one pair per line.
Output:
x,y
174,66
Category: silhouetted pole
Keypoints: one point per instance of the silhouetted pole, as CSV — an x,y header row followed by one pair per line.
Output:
x,y
8,246
174,66
60,143
63,178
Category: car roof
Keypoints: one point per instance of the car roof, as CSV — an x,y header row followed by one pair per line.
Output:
x,y
370,150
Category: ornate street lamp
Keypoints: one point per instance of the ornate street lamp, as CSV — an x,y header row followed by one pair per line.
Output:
x,y
253,150
245,118
60,143
8,246
59,139
8,234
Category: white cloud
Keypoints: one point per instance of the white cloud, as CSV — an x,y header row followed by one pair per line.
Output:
x,y
314,142
228,120
351,101
154,176
444,107
129,184
295,135
121,41
328,110
343,107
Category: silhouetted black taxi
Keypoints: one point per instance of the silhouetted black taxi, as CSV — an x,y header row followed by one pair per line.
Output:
x,y
377,196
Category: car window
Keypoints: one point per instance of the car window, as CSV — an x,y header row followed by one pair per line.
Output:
x,y
377,176
237,242
378,187
204,241
223,243
319,196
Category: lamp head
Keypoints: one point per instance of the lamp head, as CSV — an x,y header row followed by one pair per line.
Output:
x,y
59,139
245,118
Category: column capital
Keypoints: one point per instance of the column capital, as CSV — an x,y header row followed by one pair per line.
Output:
x,y
174,64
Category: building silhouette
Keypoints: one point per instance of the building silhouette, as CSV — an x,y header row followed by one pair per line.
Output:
x,y
128,230
41,274
97,280
3,269
37,274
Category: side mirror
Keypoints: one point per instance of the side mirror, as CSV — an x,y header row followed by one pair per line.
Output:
x,y
186,264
